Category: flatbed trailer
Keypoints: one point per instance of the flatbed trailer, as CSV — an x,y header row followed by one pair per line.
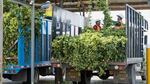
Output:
x,y
67,23
122,71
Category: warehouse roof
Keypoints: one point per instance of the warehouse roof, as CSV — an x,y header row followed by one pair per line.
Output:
x,y
77,5
82,5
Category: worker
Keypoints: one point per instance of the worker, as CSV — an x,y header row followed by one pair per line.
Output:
x,y
119,23
97,26
48,9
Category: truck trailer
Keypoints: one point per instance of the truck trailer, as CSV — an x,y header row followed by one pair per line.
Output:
x,y
64,22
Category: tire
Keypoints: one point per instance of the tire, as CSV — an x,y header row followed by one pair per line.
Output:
x,y
143,78
74,82
85,77
36,77
58,76
105,76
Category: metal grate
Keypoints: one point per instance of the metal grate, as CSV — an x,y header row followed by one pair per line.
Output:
x,y
135,25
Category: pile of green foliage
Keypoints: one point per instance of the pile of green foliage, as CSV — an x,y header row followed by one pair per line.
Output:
x,y
90,50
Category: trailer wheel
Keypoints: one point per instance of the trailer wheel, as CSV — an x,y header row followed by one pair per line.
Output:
x,y
58,76
85,77
74,82
36,77
105,76
143,78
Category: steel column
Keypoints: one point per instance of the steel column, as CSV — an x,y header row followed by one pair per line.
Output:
x,y
61,3
32,41
131,74
1,39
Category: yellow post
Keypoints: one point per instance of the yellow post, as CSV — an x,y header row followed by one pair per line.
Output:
x,y
148,64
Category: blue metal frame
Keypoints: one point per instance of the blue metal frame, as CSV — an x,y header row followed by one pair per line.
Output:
x,y
24,59
42,41
47,41
29,53
20,47
37,50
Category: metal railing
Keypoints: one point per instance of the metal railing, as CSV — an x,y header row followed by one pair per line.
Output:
x,y
135,25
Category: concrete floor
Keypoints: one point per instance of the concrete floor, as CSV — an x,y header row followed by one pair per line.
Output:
x,y
94,80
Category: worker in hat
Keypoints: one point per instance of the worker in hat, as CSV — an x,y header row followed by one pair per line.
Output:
x,y
97,26
47,6
119,23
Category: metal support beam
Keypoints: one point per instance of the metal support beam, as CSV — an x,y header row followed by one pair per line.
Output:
x,y
83,7
32,41
61,3
20,3
1,39
131,74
